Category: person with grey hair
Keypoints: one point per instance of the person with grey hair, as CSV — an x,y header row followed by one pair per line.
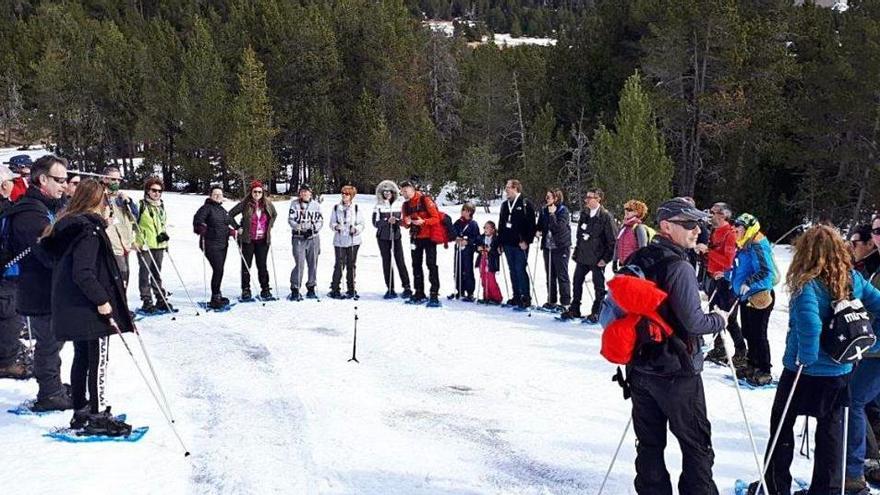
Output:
x,y
13,356
123,216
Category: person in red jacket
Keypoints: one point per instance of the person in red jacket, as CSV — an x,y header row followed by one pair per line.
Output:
x,y
20,164
420,215
720,254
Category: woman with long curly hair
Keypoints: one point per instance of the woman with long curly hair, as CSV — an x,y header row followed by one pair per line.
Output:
x,y
820,274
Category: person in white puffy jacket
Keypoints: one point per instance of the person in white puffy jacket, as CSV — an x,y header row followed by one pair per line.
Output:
x,y
347,224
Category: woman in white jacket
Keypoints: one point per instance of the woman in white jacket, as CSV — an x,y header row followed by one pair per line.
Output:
x,y
347,224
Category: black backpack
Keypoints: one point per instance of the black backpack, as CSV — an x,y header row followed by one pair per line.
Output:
x,y
848,335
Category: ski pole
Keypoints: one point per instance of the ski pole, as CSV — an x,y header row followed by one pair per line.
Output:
x,y
551,283
391,263
185,290
149,387
614,457
843,456
30,349
504,274
354,344
274,273
156,283
244,263
204,270
153,371
730,352
805,438
769,456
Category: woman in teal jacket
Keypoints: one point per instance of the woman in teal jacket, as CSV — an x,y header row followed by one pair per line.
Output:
x,y
820,274
753,277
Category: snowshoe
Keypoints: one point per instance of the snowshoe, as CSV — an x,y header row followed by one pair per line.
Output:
x,y
164,307
266,295
335,294
593,319
717,355
513,301
246,296
569,315
872,472
390,294
489,302
105,424
417,299
406,294
217,304
310,293
759,379
468,299
748,385
352,295
452,296
433,302
294,295
147,308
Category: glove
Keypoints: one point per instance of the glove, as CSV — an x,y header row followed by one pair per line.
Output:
x,y
162,237
743,289
200,229
308,233
233,233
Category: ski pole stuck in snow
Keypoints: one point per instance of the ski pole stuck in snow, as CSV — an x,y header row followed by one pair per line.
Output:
x,y
185,290
354,345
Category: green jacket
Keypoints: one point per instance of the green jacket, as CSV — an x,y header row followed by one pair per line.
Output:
x,y
151,223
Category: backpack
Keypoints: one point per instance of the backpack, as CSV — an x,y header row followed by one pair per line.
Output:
x,y
444,232
848,335
9,266
629,315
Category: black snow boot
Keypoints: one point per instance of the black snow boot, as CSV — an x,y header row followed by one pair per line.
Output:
x,y
147,307
266,294
217,302
310,293
246,294
106,424
58,402
407,293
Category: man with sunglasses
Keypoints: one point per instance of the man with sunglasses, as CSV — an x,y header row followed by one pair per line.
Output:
x,y
123,215
596,238
28,218
665,380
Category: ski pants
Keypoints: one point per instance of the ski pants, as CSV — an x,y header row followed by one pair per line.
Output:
x,y
146,267
491,291
824,398
216,255
754,329
465,283
10,325
517,261
677,402
386,250
305,251
558,282
864,388
580,275
249,251
346,259
89,371
425,249
47,358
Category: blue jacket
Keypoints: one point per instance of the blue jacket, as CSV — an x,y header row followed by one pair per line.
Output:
x,y
808,309
753,266
469,229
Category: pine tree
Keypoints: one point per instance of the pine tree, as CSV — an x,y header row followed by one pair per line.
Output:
x,y
630,161
249,150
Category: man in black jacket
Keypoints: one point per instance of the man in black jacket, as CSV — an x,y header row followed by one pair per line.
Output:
x,y
596,236
516,229
664,378
29,217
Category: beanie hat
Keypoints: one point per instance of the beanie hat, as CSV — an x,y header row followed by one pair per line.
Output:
x,y
256,185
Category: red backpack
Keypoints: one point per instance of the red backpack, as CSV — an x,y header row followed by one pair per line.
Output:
x,y
636,300
443,232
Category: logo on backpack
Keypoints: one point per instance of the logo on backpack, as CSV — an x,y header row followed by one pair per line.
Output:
x,y
848,335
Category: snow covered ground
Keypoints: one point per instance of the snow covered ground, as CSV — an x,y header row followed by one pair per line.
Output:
x,y
459,400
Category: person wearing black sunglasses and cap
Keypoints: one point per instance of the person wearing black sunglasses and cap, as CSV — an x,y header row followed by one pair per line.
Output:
x,y
665,379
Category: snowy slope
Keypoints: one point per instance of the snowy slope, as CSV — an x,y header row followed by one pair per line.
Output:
x,y
464,399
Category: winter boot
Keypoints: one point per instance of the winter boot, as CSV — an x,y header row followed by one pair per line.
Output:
x,y
755,489
592,319
433,301
548,306
855,485
760,378
58,402
80,418
745,372
417,298
335,294
352,294
468,298
570,314
147,307
390,294
18,370
105,424
164,305
717,355
407,293
513,301
294,295
310,293
246,294
217,302
872,471
266,294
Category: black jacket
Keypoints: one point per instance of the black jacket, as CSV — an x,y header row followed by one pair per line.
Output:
x,y
556,228
30,217
86,276
212,223
494,262
666,264
595,238
521,219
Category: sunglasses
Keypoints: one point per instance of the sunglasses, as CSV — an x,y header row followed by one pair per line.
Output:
x,y
592,197
257,191
686,224
155,190
58,180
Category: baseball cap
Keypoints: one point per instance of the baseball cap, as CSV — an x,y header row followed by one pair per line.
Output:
x,y
679,209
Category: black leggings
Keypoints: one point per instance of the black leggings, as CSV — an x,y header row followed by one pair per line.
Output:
x,y
216,258
754,329
88,370
260,250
